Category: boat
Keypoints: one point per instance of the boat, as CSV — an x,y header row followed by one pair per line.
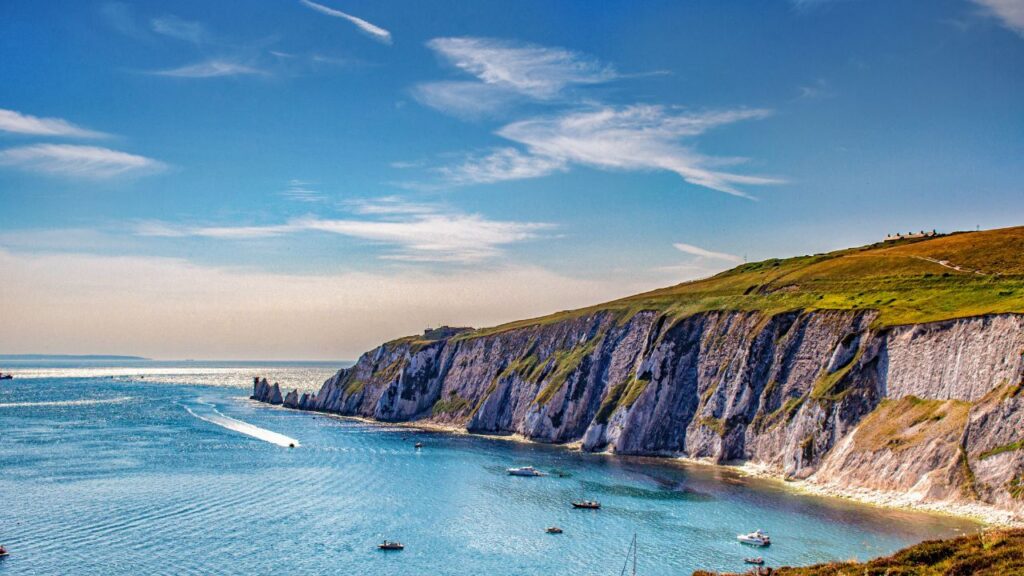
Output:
x,y
755,538
3,552
553,530
389,545
587,504
525,471
6,376
418,445
759,561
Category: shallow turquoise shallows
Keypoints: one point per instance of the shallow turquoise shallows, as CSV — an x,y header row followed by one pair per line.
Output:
x,y
106,472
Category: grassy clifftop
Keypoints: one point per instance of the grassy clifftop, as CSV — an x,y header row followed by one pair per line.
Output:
x,y
906,281
998,553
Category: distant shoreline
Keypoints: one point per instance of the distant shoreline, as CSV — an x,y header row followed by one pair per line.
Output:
x,y
71,357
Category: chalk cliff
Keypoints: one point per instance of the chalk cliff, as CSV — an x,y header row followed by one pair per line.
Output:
x,y
935,409
876,367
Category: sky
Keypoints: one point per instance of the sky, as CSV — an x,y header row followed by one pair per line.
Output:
x,y
304,179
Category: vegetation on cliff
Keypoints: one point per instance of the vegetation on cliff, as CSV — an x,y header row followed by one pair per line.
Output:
x,y
995,553
906,281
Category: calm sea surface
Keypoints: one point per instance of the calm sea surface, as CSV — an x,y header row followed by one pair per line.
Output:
x,y
167,468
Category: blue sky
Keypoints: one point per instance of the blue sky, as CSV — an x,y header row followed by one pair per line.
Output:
x,y
302,179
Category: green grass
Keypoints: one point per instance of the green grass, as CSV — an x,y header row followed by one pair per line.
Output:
x,y
827,384
789,408
1011,447
715,424
565,363
993,553
453,404
892,279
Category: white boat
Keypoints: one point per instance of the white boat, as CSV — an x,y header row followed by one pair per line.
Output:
x,y
525,471
755,538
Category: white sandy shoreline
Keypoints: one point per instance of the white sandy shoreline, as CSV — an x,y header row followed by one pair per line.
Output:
x,y
985,514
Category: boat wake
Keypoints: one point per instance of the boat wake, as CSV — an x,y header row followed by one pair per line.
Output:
x,y
118,400
213,416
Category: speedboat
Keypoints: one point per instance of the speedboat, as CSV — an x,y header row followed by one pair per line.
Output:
x,y
758,561
418,445
389,545
553,530
755,538
587,504
525,471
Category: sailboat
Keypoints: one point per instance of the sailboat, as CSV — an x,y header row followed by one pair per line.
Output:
x,y
625,565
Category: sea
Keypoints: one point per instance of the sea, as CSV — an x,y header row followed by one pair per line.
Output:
x,y
132,467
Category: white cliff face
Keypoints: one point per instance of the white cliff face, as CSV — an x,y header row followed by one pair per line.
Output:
x,y
819,395
957,359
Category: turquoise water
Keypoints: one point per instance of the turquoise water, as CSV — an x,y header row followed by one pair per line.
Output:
x,y
130,475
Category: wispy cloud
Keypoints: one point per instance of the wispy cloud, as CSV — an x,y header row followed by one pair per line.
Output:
x,y
389,206
180,29
703,253
301,191
375,32
18,123
639,137
214,68
120,17
414,233
500,165
78,161
818,89
536,71
1009,12
467,100
506,71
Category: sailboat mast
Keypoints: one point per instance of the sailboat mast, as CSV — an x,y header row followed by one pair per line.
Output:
x,y
634,553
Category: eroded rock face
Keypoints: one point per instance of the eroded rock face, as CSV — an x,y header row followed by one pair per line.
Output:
x,y
808,394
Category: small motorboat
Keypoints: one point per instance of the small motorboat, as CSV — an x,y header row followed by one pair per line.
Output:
x,y
6,376
418,445
758,561
389,545
587,504
755,538
3,552
553,530
524,471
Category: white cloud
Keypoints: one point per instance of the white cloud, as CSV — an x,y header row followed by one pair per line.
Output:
x,y
78,161
703,253
390,205
171,308
634,138
18,123
210,69
375,32
1010,12
175,27
301,191
500,165
414,233
536,71
463,99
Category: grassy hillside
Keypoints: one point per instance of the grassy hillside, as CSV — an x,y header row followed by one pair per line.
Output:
x,y
906,281
998,553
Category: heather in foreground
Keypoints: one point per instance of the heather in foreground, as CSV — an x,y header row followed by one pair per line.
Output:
x,y
996,553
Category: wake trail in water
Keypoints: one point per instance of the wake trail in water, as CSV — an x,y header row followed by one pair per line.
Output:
x,y
241,427
119,400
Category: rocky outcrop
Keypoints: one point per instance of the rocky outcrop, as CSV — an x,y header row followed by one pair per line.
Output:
x,y
932,409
